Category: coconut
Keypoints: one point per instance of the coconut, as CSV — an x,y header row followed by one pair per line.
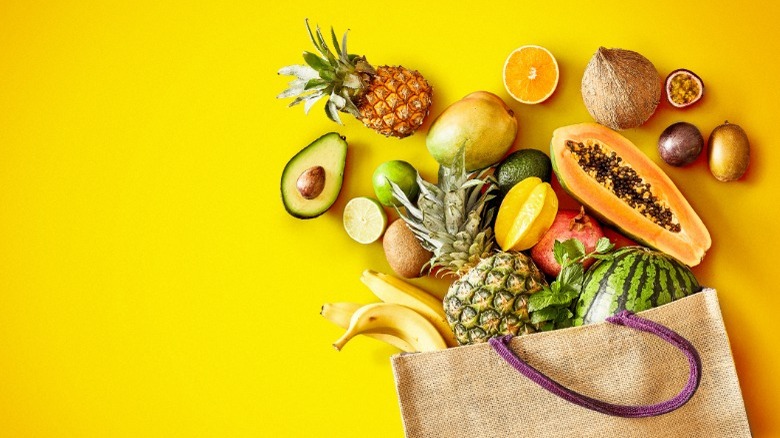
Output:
x,y
620,88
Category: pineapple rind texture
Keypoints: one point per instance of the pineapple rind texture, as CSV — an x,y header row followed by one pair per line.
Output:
x,y
396,101
492,298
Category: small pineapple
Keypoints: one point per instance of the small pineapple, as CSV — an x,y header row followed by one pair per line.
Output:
x,y
453,219
492,298
391,100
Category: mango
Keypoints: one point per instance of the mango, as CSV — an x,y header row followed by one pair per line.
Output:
x,y
481,123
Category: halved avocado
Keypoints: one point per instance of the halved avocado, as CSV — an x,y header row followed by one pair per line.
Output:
x,y
329,153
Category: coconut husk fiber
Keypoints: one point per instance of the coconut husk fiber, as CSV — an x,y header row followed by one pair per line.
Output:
x,y
620,88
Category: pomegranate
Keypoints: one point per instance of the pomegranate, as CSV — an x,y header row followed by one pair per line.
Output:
x,y
568,224
617,239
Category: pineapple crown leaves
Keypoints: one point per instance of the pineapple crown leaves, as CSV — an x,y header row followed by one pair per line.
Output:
x,y
452,218
550,308
334,76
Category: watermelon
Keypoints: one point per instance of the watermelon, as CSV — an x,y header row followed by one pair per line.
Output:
x,y
635,279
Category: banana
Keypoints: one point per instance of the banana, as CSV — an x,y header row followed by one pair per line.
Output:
x,y
396,320
341,313
394,290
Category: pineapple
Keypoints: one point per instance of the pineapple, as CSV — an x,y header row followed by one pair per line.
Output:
x,y
391,100
492,298
453,219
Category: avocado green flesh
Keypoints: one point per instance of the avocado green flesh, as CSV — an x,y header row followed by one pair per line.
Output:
x,y
328,151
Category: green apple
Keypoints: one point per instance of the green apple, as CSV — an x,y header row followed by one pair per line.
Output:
x,y
402,174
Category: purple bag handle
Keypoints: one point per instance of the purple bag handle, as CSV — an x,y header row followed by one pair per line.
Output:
x,y
628,319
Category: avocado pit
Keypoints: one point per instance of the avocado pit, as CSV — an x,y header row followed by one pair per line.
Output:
x,y
311,182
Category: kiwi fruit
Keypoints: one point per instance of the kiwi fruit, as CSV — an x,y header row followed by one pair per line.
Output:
x,y
728,152
404,253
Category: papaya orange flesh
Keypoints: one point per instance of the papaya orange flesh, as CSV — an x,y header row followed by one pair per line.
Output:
x,y
619,184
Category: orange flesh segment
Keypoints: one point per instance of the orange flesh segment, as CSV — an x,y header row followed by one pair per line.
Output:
x,y
531,74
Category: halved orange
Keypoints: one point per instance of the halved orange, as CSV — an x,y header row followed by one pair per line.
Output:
x,y
530,74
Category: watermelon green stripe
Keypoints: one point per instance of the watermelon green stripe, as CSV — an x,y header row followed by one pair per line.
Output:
x,y
617,281
634,283
687,279
649,290
690,281
635,279
641,293
663,295
676,286
643,279
593,283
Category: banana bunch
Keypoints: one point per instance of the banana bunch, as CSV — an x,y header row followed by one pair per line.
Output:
x,y
407,317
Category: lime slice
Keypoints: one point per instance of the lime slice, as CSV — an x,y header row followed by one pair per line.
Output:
x,y
364,219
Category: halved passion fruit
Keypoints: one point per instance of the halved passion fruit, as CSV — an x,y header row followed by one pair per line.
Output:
x,y
683,88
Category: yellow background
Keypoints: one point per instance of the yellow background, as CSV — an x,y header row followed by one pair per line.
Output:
x,y
151,283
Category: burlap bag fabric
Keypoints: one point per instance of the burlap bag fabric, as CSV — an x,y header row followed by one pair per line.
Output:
x,y
471,391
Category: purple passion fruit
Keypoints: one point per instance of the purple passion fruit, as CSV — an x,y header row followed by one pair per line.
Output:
x,y
680,144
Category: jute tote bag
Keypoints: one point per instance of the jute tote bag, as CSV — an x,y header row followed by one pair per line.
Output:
x,y
665,372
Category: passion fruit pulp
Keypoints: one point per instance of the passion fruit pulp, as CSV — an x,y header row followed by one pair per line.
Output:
x,y
683,88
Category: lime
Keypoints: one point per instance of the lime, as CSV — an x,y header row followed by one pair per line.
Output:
x,y
520,165
364,219
402,174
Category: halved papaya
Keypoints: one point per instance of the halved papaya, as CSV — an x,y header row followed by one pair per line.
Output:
x,y
622,186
